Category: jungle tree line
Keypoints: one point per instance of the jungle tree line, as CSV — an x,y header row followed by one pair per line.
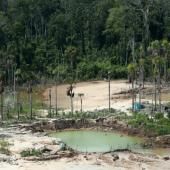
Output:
x,y
70,40
157,65
104,35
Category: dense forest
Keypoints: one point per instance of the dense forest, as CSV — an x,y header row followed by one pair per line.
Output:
x,y
42,39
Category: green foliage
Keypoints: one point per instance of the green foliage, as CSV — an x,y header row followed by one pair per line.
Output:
x,y
157,126
31,152
42,38
4,147
159,116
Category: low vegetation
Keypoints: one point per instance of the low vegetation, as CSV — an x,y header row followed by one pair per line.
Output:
x,y
4,147
156,126
31,152
88,115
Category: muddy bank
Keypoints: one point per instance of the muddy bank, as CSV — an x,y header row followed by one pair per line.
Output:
x,y
53,156
102,124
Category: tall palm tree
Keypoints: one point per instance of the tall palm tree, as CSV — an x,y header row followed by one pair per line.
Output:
x,y
141,76
18,76
132,68
154,49
166,53
157,63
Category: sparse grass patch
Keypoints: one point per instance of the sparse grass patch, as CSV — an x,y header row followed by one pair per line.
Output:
x,y
31,152
4,147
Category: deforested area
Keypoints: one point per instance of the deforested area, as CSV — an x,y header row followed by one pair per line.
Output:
x,y
85,84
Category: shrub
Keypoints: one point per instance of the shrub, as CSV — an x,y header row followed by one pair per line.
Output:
x,y
31,152
4,147
159,116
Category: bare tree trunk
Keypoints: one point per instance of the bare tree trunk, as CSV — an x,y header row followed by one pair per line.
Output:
x,y
14,90
159,88
81,100
160,98
165,69
2,114
140,98
56,95
31,106
155,96
50,103
109,92
133,49
30,101
18,105
72,106
133,101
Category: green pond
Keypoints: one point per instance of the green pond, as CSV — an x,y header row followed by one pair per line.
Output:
x,y
94,141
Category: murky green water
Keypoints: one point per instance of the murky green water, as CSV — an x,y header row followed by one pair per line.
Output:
x,y
93,141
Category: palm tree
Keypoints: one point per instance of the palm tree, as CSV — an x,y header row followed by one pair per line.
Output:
x,y
132,68
18,76
165,47
141,65
141,76
157,63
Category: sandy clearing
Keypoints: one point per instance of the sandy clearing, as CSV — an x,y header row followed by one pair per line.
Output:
x,y
95,95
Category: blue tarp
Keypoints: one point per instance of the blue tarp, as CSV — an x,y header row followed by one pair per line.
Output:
x,y
138,106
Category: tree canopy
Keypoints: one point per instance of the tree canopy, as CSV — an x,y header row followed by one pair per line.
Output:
x,y
42,37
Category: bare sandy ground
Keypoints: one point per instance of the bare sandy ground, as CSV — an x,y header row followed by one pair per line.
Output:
x,y
21,140
96,95
99,163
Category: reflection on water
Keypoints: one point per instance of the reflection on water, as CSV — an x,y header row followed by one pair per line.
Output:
x,y
94,141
